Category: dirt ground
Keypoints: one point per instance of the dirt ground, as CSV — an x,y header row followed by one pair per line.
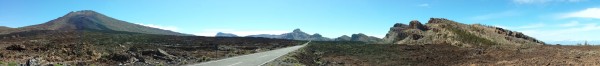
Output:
x,y
356,54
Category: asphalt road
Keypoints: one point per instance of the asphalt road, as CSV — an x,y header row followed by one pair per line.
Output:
x,y
255,59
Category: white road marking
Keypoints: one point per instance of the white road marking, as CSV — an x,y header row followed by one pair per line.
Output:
x,y
234,64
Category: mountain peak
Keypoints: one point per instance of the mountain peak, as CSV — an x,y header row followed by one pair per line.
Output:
x,y
344,38
89,19
438,20
83,12
317,35
414,24
361,37
297,30
400,25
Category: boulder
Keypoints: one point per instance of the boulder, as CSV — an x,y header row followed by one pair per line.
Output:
x,y
16,47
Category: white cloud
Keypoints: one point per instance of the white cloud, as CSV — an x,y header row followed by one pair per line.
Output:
x,y
570,24
496,15
587,13
538,25
530,26
501,26
171,28
423,5
543,1
575,32
213,32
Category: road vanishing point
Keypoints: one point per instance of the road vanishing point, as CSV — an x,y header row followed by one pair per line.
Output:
x,y
256,59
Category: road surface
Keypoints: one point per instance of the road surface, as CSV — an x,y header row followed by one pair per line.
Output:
x,y
255,59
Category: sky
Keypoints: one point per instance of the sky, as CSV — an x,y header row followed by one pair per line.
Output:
x,y
552,21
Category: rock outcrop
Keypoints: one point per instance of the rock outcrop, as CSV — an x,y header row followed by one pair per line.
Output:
x,y
444,31
417,25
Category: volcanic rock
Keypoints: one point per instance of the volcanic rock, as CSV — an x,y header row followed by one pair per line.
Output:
x,y
444,31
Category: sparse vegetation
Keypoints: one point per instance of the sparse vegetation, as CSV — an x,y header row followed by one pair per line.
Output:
x,y
467,37
360,54
113,47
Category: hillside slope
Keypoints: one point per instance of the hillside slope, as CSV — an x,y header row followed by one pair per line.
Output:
x,y
4,28
88,19
444,31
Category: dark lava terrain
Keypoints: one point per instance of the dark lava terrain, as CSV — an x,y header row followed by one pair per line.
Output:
x,y
360,54
108,48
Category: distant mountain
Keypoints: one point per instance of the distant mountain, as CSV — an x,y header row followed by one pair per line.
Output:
x,y
221,34
297,34
343,38
91,20
444,31
359,37
365,38
266,36
4,28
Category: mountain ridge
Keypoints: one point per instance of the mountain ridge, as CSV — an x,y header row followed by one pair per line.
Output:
x,y
296,34
4,28
92,20
221,34
444,31
360,37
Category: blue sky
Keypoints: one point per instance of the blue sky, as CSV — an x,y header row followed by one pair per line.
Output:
x,y
553,21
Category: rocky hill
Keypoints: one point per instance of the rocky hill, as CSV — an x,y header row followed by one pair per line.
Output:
x,y
4,28
444,31
364,38
221,34
297,34
343,38
88,19
359,37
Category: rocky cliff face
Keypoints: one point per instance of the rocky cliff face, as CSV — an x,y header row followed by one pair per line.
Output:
x,y
444,31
